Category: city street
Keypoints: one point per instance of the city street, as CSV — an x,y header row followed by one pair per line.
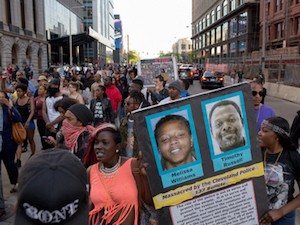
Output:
x,y
282,108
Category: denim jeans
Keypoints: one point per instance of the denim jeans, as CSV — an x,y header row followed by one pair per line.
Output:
x,y
288,219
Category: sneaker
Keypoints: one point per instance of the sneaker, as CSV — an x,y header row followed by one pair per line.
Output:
x,y
18,163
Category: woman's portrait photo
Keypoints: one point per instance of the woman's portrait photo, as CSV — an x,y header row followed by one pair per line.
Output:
x,y
174,141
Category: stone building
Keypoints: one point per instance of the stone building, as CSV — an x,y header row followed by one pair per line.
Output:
x,y
22,34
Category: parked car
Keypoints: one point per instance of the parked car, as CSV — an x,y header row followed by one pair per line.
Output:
x,y
186,71
211,79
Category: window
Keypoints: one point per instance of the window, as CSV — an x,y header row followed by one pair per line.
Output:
x,y
225,31
203,41
207,38
241,46
218,34
212,17
279,30
277,6
298,25
269,33
183,46
213,36
218,12
225,3
242,23
232,28
207,21
232,5
203,24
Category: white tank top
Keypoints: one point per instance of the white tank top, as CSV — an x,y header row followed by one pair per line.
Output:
x,y
52,113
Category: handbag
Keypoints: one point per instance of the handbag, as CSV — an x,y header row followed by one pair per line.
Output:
x,y
18,131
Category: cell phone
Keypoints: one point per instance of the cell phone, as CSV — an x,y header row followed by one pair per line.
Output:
x,y
45,137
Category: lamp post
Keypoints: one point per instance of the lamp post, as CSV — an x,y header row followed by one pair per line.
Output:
x,y
70,32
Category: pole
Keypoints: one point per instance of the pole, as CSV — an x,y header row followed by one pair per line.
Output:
x,y
263,38
70,39
127,49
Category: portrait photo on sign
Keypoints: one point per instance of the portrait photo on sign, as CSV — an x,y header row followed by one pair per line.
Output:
x,y
175,145
226,124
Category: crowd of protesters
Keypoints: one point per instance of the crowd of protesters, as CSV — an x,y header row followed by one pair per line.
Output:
x,y
87,111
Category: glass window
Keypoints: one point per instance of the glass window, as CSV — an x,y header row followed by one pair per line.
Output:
x,y
241,46
232,5
213,36
200,26
225,49
218,34
232,47
207,38
212,51
218,12
225,3
203,41
200,42
203,24
225,31
242,23
298,25
207,21
232,28
219,50
212,17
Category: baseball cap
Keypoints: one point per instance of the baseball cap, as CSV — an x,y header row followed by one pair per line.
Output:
x,y
42,77
52,190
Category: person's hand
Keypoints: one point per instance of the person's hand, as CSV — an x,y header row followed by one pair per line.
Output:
x,y
52,129
49,125
150,90
271,216
142,164
50,140
26,125
4,101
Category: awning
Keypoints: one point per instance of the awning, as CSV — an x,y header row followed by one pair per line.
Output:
x,y
77,40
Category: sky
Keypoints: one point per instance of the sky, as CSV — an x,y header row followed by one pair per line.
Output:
x,y
154,25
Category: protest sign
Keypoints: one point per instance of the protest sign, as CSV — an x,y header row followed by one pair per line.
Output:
x,y
201,174
150,68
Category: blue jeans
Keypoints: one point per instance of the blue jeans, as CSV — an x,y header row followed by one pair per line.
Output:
x,y
288,219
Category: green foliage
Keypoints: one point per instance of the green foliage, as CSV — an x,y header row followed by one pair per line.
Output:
x,y
133,57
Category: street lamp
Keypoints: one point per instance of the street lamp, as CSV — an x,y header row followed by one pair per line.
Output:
x,y
70,32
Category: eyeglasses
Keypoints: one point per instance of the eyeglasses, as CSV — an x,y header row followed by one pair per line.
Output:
x,y
254,93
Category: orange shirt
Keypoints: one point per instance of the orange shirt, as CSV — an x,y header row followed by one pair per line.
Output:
x,y
113,193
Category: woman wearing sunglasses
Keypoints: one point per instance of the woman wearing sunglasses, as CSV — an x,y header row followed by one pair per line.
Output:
x,y
262,111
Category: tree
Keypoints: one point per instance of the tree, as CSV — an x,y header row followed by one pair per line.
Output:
x,y
133,57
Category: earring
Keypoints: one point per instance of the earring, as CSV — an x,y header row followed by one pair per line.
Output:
x,y
117,151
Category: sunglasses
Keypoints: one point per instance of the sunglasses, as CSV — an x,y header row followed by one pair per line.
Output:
x,y
254,93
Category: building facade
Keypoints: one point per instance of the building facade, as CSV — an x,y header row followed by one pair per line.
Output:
x,y
22,34
280,20
224,31
99,16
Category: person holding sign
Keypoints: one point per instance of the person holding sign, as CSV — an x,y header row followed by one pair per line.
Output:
x,y
174,140
118,185
226,125
282,168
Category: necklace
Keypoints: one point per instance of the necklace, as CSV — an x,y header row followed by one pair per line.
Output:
x,y
273,166
109,171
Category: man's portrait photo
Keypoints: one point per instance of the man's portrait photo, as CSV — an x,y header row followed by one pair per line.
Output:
x,y
226,125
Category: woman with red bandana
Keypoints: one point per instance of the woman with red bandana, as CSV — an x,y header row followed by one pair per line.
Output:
x,y
75,130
